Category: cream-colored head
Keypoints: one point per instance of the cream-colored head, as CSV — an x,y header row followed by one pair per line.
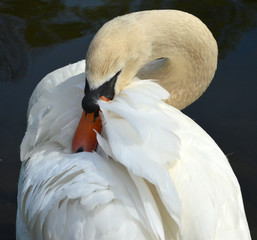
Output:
x,y
132,42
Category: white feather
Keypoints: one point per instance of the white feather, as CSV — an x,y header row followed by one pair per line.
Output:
x,y
155,175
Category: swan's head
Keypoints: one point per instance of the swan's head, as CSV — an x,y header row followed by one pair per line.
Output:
x,y
118,51
113,59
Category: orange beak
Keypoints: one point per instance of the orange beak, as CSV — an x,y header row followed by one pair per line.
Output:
x,y
85,136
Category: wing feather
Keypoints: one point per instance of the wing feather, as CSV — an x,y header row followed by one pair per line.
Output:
x,y
156,174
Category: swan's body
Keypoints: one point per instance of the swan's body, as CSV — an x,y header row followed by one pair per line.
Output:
x,y
155,175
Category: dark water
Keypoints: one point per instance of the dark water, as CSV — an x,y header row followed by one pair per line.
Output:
x,y
37,37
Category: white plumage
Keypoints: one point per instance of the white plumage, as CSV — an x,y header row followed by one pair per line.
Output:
x,y
165,178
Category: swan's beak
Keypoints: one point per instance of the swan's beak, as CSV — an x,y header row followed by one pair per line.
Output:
x,y
85,136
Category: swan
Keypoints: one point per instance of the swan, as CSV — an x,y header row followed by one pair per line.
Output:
x,y
133,166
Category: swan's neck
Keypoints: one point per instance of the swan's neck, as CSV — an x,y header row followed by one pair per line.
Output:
x,y
184,70
184,45
190,56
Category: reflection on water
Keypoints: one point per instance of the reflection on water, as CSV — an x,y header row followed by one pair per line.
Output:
x,y
51,22
43,23
34,34
48,22
12,48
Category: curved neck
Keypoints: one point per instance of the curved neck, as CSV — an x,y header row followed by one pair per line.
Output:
x,y
131,44
187,50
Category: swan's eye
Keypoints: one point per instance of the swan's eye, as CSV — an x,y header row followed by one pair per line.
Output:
x,y
108,88
89,102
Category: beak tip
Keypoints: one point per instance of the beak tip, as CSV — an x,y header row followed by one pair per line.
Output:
x,y
80,149
85,136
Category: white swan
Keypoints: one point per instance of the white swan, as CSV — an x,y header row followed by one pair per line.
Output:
x,y
155,174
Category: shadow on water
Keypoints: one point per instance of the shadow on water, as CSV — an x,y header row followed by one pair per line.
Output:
x,y
43,23
36,34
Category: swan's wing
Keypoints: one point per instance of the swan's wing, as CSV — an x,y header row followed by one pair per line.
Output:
x,y
55,109
138,134
82,196
194,186
53,79
209,191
